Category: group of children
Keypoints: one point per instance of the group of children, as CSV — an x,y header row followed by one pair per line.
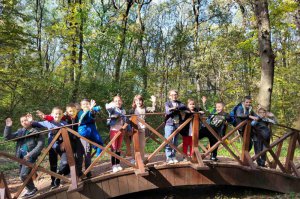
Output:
x,y
83,119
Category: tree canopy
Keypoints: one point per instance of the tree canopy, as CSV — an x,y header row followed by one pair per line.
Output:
x,y
60,51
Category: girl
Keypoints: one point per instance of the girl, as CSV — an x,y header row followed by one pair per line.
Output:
x,y
116,121
187,131
138,108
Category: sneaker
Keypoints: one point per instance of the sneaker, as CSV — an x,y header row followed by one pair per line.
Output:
x,y
184,160
170,161
175,160
54,184
215,159
119,167
132,161
30,194
115,168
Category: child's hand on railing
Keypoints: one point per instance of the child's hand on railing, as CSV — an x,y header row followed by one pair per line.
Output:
x,y
8,122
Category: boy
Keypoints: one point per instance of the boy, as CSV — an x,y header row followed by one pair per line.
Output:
x,y
87,128
58,146
218,121
28,149
70,117
262,134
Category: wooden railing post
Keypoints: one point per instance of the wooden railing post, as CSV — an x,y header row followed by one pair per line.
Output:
x,y
246,143
291,151
70,157
4,191
196,156
136,144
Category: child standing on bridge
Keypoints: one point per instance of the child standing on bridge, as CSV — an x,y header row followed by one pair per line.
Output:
x,y
173,120
218,121
70,117
87,128
28,149
58,146
138,108
116,121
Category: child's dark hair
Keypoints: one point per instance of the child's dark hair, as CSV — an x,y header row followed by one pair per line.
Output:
x,y
221,102
85,100
71,105
248,97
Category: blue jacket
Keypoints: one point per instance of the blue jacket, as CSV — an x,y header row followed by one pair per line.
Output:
x,y
171,114
88,117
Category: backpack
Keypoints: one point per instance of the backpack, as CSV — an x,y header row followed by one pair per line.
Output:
x,y
232,114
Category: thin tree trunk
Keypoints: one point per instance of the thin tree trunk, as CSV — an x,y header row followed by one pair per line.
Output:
x,y
119,58
266,53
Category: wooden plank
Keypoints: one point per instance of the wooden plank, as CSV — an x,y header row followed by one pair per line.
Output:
x,y
73,195
70,158
143,183
107,147
114,187
249,160
246,143
165,141
294,168
136,144
277,161
273,164
180,176
275,143
97,190
220,141
195,139
123,185
31,165
106,188
128,163
132,181
291,151
4,191
61,195
86,193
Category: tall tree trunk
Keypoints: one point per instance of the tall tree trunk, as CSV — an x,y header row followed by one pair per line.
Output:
x,y
297,17
266,53
39,8
80,56
119,58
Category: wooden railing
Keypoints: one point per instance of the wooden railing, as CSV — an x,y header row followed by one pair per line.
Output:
x,y
243,158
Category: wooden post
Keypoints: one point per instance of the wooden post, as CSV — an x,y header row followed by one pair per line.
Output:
x,y
4,191
136,144
70,157
273,164
246,143
291,151
196,156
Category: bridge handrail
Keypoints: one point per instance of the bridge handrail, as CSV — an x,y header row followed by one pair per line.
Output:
x,y
197,158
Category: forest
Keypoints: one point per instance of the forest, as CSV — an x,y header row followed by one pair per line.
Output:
x,y
53,52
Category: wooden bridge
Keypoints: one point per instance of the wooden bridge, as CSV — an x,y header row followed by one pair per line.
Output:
x,y
282,174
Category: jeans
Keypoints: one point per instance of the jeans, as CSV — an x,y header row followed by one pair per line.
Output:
x,y
64,168
24,171
170,152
